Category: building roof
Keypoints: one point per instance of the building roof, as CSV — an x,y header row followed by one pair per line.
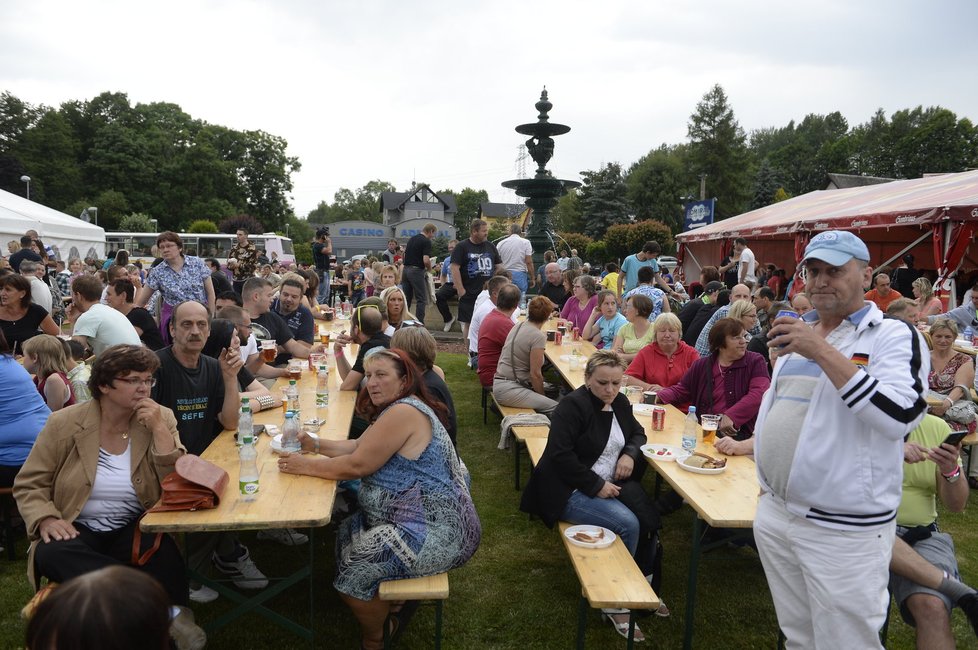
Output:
x,y
396,200
501,210
845,181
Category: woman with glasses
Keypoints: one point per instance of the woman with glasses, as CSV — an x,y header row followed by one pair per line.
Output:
x,y
729,382
581,303
746,312
94,470
416,515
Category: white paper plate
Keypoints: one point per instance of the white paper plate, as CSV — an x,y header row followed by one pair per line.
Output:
x,y
565,358
606,540
699,470
669,452
642,409
276,443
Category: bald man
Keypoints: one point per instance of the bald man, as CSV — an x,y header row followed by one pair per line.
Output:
x,y
553,287
739,292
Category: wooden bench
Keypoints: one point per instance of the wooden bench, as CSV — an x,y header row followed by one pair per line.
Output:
x,y
6,515
521,436
609,577
434,588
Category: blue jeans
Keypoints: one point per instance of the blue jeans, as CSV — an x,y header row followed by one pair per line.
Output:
x,y
522,280
610,513
323,297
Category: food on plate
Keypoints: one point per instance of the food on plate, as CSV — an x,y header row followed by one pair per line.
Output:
x,y
581,536
663,452
696,459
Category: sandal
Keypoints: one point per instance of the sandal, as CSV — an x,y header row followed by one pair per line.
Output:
x,y
401,618
621,626
663,611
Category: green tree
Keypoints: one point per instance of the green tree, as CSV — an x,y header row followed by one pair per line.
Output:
x,y
246,221
567,215
202,226
136,222
49,152
656,184
362,204
467,207
265,172
604,199
766,184
718,148
575,240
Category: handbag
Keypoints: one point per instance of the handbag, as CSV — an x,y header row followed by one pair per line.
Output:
x,y
195,484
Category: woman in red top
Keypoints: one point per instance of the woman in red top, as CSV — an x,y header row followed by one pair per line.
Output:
x,y
44,357
663,362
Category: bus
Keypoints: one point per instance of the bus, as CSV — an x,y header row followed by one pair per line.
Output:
x,y
142,245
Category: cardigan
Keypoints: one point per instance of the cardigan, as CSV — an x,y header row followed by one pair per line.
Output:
x,y
57,477
745,383
578,435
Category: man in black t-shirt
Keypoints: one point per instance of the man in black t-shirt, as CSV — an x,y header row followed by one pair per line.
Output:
x,y
366,327
553,286
119,296
473,262
218,278
417,264
25,253
256,297
322,252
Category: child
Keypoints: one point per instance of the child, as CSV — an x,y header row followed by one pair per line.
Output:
x,y
372,276
388,278
79,372
604,322
355,284
44,357
610,279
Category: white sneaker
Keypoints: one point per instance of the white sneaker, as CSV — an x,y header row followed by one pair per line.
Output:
x,y
448,325
242,571
284,536
203,594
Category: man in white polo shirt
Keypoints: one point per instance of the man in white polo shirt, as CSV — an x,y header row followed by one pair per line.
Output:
x,y
97,326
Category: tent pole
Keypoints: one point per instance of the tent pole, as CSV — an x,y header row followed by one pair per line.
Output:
x,y
900,254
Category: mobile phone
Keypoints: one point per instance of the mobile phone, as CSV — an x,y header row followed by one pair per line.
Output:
x,y
955,437
258,429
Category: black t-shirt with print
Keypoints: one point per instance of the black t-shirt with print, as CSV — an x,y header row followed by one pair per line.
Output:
x,y
476,263
271,326
196,397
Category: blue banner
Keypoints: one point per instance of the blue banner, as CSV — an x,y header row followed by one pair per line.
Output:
x,y
699,214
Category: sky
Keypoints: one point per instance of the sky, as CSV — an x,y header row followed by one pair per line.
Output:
x,y
431,90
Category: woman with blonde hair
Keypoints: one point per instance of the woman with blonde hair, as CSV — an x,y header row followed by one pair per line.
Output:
x,y
397,311
927,302
389,277
744,311
44,357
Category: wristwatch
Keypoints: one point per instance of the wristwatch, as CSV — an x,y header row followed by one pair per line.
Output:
x,y
953,476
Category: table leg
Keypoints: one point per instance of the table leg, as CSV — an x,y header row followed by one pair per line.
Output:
x,y
516,462
582,608
694,559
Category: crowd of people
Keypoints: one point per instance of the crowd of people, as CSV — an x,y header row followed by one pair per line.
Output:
x,y
140,366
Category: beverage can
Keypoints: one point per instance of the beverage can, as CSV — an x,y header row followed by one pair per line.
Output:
x,y
576,334
787,312
559,338
658,418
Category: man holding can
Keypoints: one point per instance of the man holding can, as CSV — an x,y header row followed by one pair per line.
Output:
x,y
847,388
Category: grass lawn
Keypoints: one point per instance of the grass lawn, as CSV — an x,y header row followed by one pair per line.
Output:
x,y
519,591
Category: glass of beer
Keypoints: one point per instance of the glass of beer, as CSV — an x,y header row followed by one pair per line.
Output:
x,y
268,351
324,336
295,369
710,424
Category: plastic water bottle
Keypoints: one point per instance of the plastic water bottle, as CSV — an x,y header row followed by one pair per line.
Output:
x,y
968,335
290,432
523,306
248,474
292,397
691,431
245,427
322,386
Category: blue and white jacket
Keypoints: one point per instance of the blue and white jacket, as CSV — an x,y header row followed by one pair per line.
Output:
x,y
847,469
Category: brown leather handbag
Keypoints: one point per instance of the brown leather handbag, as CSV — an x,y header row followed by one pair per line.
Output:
x,y
196,484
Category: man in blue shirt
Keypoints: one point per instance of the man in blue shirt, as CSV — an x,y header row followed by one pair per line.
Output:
x,y
648,256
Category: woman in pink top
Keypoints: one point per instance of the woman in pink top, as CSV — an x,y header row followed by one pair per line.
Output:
x,y
664,362
579,306
927,302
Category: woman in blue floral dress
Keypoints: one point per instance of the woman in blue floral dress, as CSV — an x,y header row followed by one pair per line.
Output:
x,y
416,515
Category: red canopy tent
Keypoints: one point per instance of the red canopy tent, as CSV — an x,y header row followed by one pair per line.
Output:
x,y
934,217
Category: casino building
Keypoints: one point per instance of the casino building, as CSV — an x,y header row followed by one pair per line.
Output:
x,y
404,214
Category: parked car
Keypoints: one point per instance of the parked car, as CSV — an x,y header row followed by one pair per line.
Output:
x,y
668,263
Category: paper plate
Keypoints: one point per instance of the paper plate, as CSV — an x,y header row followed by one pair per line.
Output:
x,y
682,462
276,443
642,409
664,453
607,537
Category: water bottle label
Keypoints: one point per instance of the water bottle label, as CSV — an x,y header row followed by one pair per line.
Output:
x,y
248,487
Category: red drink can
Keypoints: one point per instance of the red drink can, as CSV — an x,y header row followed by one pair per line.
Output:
x,y
576,334
559,338
658,418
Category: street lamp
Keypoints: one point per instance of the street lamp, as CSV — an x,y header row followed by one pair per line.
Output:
x,y
27,179
156,225
90,213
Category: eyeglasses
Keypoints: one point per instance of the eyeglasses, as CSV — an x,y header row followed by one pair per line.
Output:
x,y
136,381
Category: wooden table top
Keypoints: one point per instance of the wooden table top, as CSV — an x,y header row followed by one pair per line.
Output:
x,y
285,500
559,356
726,500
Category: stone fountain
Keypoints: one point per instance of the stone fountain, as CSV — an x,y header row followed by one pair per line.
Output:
x,y
542,191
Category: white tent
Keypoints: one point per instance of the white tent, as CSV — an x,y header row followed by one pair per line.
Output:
x,y
67,235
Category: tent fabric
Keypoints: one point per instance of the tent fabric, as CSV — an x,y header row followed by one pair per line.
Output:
x,y
67,235
913,202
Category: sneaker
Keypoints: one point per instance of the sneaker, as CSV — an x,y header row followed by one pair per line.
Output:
x,y
203,594
186,634
448,325
284,536
969,605
242,571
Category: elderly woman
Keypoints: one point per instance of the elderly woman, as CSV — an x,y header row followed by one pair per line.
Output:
x,y
729,382
581,303
591,470
416,515
420,345
665,361
952,374
397,311
95,469
927,302
179,278
22,414
638,331
519,372
20,319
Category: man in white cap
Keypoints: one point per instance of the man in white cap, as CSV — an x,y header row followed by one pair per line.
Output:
x,y
846,390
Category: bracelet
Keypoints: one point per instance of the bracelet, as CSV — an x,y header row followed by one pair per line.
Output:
x,y
953,476
316,440
265,401
338,354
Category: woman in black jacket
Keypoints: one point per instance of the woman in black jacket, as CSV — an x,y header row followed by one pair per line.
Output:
x,y
592,468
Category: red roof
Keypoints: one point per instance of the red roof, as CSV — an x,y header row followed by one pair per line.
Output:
x,y
913,202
